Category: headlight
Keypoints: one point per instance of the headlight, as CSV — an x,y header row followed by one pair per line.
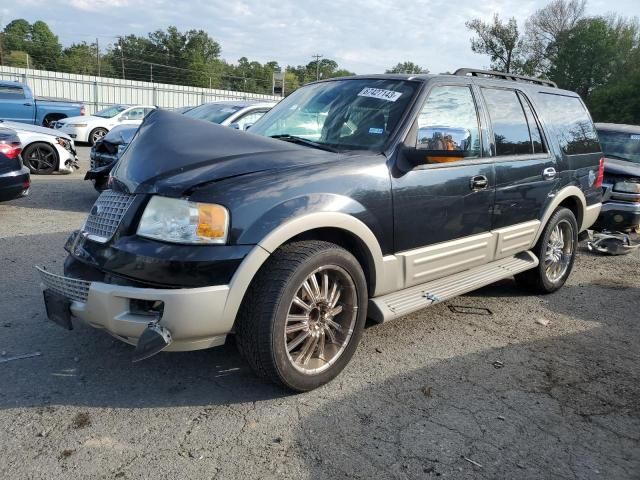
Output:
x,y
180,221
627,187
63,142
77,124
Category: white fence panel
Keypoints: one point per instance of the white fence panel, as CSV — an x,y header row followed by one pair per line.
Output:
x,y
99,92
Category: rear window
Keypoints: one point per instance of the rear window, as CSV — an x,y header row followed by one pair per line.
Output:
x,y
569,118
620,145
10,92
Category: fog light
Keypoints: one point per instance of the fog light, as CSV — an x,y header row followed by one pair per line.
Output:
x,y
618,218
148,308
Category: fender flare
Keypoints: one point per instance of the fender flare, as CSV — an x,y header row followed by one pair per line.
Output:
x,y
558,198
256,258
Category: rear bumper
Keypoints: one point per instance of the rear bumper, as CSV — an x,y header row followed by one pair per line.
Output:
x,y
194,316
15,184
619,215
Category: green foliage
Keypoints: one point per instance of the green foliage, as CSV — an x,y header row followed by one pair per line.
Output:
x,y
500,41
37,40
408,67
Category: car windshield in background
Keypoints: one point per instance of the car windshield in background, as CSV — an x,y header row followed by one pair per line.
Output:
x,y
212,112
357,114
110,111
620,145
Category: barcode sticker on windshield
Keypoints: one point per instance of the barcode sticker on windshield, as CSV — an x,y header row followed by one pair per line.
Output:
x,y
635,137
380,93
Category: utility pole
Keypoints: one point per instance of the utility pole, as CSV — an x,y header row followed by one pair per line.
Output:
x,y
98,55
317,57
122,57
151,72
27,60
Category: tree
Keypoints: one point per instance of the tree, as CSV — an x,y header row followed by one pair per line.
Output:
x,y
500,41
592,54
544,28
407,67
37,40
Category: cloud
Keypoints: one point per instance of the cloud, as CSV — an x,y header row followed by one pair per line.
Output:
x,y
365,36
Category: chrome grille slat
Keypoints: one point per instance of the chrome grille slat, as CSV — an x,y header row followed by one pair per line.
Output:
x,y
106,215
72,288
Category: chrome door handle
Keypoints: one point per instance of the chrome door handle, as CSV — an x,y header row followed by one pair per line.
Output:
x,y
549,173
479,182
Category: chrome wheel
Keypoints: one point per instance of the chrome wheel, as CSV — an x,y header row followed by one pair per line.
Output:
x,y
321,319
97,135
559,251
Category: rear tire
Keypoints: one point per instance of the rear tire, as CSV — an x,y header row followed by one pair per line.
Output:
x,y
556,250
296,331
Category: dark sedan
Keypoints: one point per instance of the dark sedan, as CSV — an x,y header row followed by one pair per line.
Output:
x,y
14,176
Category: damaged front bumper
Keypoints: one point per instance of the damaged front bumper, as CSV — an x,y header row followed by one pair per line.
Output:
x,y
193,316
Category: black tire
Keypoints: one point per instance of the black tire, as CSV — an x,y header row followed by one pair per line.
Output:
x,y
266,312
40,158
96,134
50,119
539,279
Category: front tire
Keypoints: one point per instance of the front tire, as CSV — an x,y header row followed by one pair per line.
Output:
x,y
40,158
303,315
556,250
97,134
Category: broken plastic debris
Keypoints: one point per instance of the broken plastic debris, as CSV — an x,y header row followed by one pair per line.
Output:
x,y
472,462
544,322
497,364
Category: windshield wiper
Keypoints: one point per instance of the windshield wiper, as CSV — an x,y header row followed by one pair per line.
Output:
x,y
303,141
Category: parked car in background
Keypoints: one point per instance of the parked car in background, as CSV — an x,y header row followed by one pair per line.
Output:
x,y
106,151
14,177
621,184
91,128
291,242
18,104
45,150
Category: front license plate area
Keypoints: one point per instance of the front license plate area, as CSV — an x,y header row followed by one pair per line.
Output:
x,y
58,308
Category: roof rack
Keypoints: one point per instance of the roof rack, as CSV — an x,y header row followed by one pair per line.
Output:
x,y
504,76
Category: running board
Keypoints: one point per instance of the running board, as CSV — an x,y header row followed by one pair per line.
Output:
x,y
393,305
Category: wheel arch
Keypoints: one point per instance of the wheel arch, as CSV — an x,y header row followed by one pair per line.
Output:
x,y
52,117
340,228
570,197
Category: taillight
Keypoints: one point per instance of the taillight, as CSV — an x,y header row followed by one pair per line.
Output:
x,y
83,111
600,175
11,150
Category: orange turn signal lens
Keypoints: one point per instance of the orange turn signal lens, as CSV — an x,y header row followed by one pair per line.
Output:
x,y
213,221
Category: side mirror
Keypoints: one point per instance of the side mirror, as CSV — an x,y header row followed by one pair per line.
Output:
x,y
247,126
235,126
440,144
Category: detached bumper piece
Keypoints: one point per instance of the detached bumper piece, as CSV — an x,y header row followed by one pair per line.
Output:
x,y
611,243
154,339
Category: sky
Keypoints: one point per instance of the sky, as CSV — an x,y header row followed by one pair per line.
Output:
x,y
362,36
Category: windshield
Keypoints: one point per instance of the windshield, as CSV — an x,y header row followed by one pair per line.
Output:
x,y
620,145
110,111
212,112
356,114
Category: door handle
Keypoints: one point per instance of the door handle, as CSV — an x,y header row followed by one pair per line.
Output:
x,y
549,173
27,104
479,182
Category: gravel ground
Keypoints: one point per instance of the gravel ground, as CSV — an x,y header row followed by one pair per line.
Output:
x,y
490,394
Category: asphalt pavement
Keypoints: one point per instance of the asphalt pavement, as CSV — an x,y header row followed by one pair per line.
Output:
x,y
494,384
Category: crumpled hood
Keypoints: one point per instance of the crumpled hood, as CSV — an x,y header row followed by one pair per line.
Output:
x,y
172,154
25,127
613,166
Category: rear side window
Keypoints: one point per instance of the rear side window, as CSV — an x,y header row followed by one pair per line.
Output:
x,y
510,126
9,92
570,119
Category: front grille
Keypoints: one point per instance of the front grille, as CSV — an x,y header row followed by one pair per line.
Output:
x,y
106,215
72,288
